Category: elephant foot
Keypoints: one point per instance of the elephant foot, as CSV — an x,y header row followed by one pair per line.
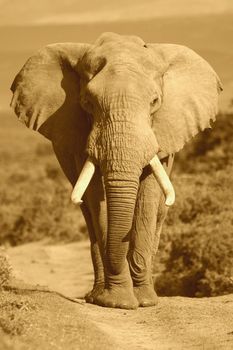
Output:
x,y
117,297
146,295
97,289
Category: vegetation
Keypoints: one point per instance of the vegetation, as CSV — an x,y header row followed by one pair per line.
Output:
x,y
5,269
34,196
16,317
196,250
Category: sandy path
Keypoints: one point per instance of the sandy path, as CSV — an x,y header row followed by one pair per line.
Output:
x,y
65,268
177,323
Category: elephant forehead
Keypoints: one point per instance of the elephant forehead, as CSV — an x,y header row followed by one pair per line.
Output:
x,y
126,53
114,37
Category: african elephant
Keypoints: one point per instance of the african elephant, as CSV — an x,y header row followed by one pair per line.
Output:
x,y
116,112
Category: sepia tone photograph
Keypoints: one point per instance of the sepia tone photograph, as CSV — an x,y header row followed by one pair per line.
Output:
x,y
116,168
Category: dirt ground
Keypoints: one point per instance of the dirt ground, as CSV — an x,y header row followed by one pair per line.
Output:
x,y
52,322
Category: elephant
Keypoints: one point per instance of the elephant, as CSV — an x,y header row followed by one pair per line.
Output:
x,y
116,112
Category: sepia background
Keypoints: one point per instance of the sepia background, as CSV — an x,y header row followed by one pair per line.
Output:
x,y
195,257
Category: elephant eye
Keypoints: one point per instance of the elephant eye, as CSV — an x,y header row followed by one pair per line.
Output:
x,y
99,65
154,105
154,101
86,77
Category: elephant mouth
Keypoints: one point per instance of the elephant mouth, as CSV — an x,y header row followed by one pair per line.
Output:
x,y
157,169
31,124
30,121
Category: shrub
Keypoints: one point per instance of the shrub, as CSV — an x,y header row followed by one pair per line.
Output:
x,y
5,269
45,212
15,313
210,150
199,264
35,200
196,249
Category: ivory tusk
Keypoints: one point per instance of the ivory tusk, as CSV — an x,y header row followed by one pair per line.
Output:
x,y
83,181
163,180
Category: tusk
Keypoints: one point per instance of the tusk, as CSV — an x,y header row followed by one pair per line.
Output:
x,y
83,181
163,180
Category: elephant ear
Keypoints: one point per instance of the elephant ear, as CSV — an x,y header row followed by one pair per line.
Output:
x,y
190,89
46,99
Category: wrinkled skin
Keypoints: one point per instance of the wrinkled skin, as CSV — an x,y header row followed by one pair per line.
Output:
x,y
116,101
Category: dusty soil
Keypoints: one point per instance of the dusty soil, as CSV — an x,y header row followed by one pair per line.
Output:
x,y
47,321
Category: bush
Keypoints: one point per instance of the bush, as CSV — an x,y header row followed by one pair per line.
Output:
x,y
35,199
45,212
196,248
210,150
16,310
5,269
199,264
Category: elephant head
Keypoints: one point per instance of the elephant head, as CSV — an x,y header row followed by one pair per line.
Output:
x,y
118,103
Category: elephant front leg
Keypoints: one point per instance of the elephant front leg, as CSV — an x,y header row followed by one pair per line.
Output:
x,y
99,279
94,212
96,256
143,239
150,213
118,292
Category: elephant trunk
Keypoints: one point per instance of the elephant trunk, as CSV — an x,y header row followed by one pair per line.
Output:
x,y
121,197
